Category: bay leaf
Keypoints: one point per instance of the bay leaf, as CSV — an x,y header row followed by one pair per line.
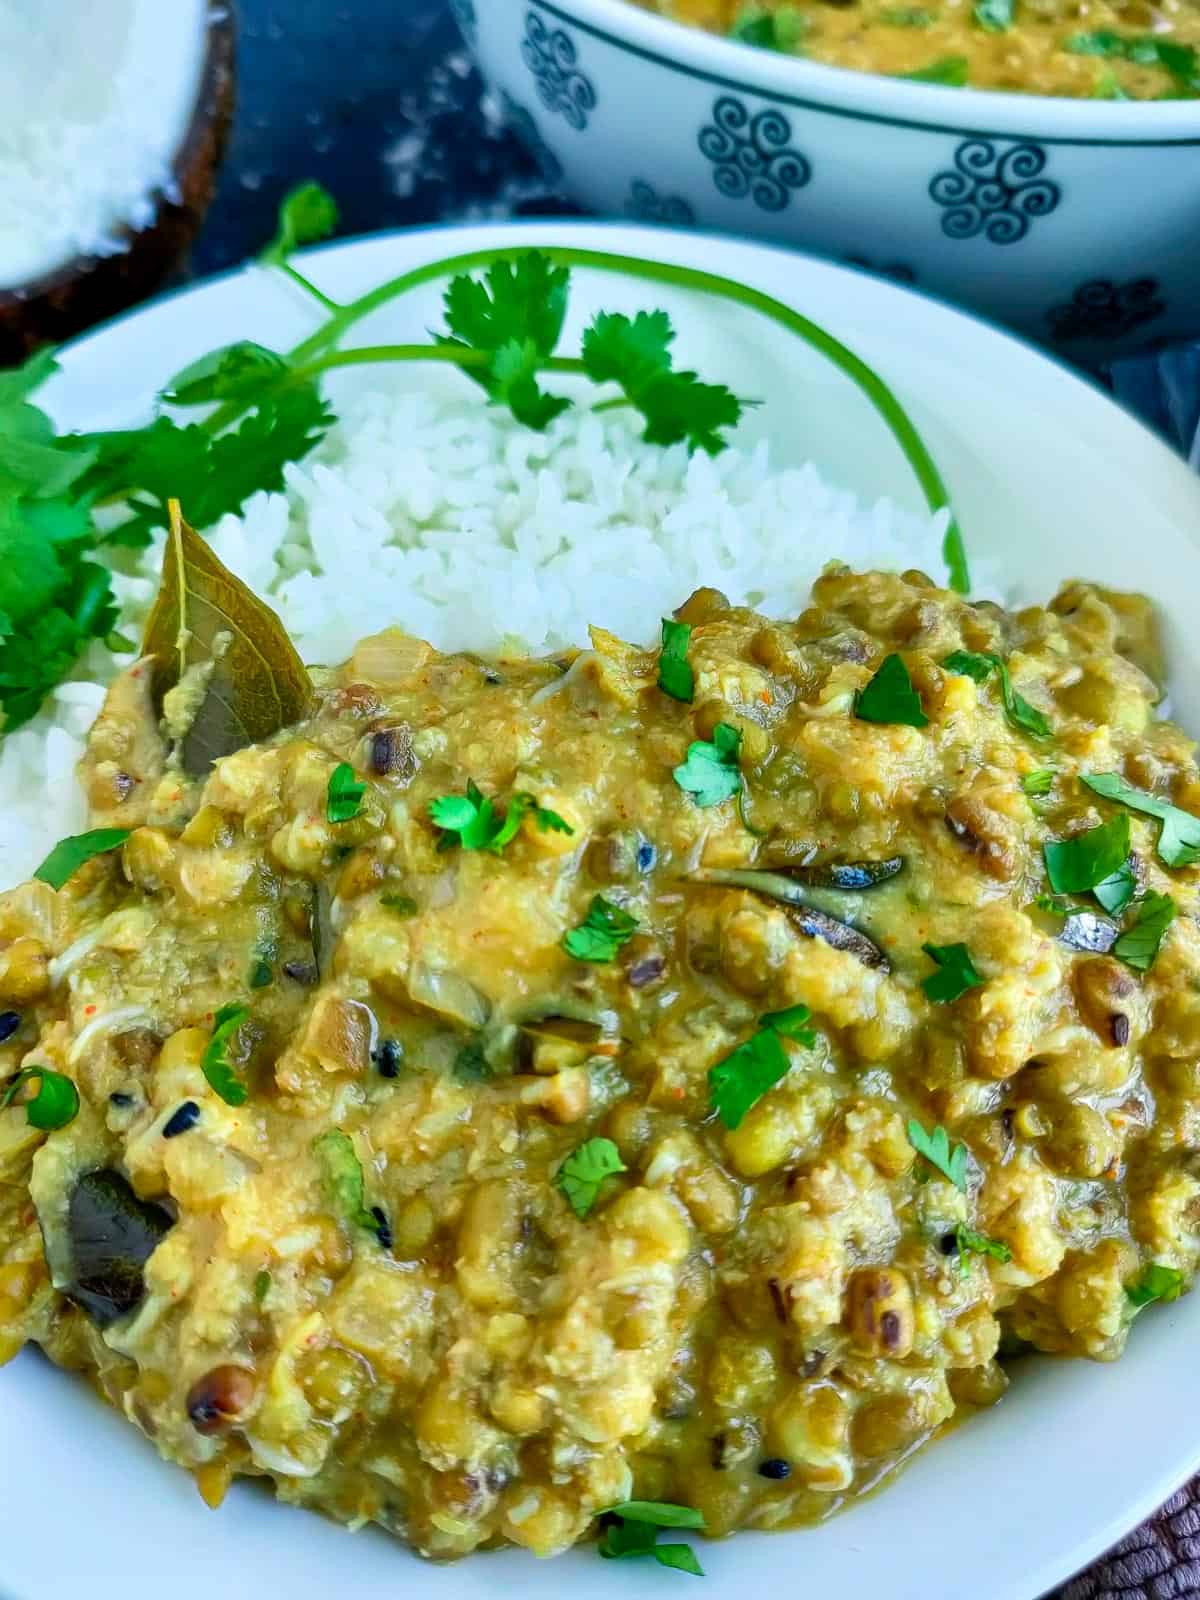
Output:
x,y
204,616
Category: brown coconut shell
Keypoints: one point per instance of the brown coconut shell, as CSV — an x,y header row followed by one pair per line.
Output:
x,y
90,288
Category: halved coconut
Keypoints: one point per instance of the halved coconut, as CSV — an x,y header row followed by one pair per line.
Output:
x,y
113,121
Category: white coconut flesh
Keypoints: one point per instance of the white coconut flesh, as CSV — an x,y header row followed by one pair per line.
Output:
x,y
95,100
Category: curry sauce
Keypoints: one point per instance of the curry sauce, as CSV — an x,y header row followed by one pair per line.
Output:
x,y
493,1108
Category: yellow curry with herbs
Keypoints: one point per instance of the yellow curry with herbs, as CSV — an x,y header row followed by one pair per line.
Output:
x,y
1099,49
690,1076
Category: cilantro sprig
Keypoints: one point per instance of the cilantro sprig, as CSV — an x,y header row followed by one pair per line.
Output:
x,y
264,410
1140,943
583,1173
1088,859
949,1160
740,1079
602,933
479,826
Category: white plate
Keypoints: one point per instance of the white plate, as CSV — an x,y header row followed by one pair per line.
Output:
x,y
1051,479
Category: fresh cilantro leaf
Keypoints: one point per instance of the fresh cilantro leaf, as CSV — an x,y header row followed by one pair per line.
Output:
x,y
675,675
995,16
711,773
1157,1282
1080,863
937,1150
781,29
55,1104
583,1172
344,796
955,975
514,384
602,933
1117,890
950,71
344,1178
791,1024
979,666
218,1069
622,1539
307,215
1147,50
890,697
521,299
473,817
1179,837
262,975
68,855
235,372
18,383
741,1078
677,407
1139,944
978,1244
1038,783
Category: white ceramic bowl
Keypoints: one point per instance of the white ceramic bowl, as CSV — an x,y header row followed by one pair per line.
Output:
x,y
1075,221
1050,481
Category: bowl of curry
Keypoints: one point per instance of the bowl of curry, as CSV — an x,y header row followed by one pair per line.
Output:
x,y
1033,160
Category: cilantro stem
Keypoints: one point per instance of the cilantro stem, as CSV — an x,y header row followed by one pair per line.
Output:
x,y
891,411
308,286
451,355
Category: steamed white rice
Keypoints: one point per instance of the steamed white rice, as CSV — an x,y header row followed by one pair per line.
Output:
x,y
430,510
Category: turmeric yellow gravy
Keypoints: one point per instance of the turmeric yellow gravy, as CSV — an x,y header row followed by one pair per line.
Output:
x,y
474,1363
1107,49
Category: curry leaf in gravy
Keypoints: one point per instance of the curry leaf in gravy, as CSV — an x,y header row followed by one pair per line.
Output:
x,y
995,16
1078,864
68,855
890,697
55,1104
956,973
979,666
602,933
584,1171
1179,837
206,619
951,72
344,1178
344,796
218,1069
1139,944
711,773
402,904
1157,1282
907,17
951,1162
262,1285
675,675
